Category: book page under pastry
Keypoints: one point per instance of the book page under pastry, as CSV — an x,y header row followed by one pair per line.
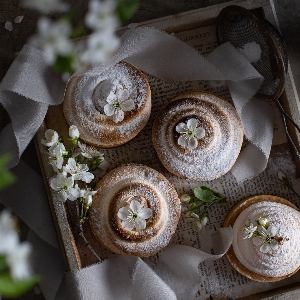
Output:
x,y
216,277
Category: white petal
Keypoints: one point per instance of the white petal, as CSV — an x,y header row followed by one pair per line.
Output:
x,y
199,133
112,98
145,213
192,123
124,213
127,105
8,26
118,116
54,185
127,225
181,128
272,230
109,109
18,19
73,194
140,224
123,95
182,141
87,177
262,230
274,245
257,241
135,206
199,225
265,248
192,143
62,196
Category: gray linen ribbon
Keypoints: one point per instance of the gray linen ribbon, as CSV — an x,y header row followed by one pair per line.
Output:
x,y
27,90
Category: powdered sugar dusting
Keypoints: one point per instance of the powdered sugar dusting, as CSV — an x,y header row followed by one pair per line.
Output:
x,y
85,106
215,153
275,263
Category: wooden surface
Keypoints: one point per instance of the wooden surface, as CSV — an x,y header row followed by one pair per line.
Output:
x,y
288,12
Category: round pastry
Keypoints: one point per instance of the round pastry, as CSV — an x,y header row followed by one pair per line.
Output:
x,y
197,136
266,238
109,109
135,211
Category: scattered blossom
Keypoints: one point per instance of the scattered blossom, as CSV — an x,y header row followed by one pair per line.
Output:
x,y
189,134
74,132
46,6
51,138
134,215
64,186
117,104
53,38
185,198
249,230
18,19
266,241
8,26
87,151
101,15
198,221
56,156
78,171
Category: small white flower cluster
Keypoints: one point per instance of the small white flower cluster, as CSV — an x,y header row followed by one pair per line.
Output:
x,y
189,134
263,235
16,254
79,162
134,215
53,37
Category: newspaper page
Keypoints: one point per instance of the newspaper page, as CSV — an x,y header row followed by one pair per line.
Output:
x,y
216,277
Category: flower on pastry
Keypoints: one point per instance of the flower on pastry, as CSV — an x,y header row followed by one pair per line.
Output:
x,y
189,134
249,230
134,215
117,103
266,239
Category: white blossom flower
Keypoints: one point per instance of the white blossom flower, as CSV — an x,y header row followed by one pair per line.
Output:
x,y
51,138
117,104
52,38
262,221
64,186
18,19
266,239
46,6
18,261
74,132
87,195
78,171
134,215
198,221
56,156
101,15
249,230
101,45
189,134
89,152
8,26
185,198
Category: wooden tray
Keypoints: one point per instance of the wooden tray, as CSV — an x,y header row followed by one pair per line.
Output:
x,y
181,22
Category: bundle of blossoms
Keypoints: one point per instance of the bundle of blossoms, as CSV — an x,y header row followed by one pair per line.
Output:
x,y
75,169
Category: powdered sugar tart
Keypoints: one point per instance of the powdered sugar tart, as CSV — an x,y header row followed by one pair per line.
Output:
x,y
135,211
198,136
109,109
266,238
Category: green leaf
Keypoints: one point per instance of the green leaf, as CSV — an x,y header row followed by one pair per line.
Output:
x,y
6,177
204,194
126,9
3,264
15,288
64,64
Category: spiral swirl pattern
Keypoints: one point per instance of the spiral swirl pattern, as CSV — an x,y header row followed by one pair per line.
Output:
x,y
216,153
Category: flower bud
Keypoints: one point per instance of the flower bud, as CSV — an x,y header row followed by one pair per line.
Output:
x,y
88,200
262,221
74,132
185,198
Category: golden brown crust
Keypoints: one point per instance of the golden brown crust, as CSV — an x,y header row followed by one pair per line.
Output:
x,y
230,220
115,190
216,152
94,126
